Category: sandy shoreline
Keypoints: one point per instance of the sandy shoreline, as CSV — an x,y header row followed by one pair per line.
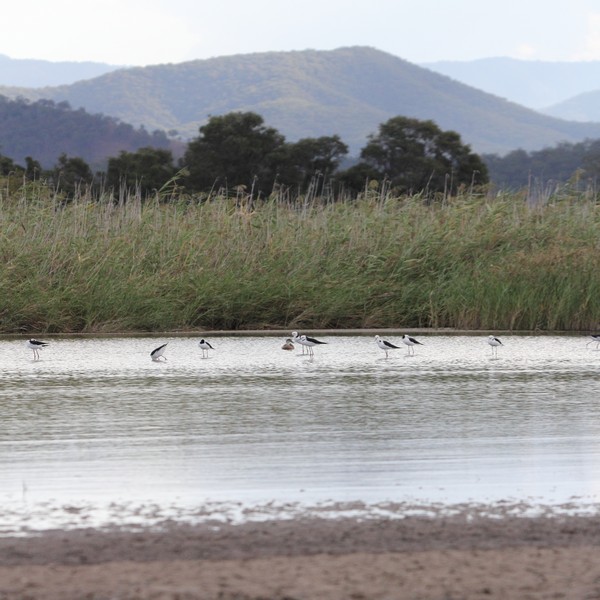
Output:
x,y
463,556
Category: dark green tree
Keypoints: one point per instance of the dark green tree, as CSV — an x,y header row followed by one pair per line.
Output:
x,y
233,149
33,169
71,175
147,169
566,162
309,158
8,166
416,156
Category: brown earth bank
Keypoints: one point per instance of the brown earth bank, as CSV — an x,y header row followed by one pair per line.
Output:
x,y
447,558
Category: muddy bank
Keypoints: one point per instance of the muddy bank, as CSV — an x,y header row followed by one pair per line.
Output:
x,y
458,557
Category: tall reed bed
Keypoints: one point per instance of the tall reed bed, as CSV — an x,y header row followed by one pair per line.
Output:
x,y
94,265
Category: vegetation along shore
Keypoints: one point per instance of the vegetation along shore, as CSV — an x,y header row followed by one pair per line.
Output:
x,y
470,261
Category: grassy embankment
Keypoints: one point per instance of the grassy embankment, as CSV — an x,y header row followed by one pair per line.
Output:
x,y
475,263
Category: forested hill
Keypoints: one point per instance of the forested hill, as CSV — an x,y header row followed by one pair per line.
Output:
x,y
28,72
44,130
348,92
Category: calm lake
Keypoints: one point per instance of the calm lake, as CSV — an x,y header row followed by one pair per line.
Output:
x,y
95,431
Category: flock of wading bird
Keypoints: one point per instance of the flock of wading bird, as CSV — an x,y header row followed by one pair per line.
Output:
x,y
308,344
155,355
385,345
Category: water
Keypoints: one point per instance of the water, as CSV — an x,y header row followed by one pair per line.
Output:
x,y
95,429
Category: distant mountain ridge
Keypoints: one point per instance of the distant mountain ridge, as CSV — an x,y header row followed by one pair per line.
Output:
x,y
33,73
348,92
583,107
532,83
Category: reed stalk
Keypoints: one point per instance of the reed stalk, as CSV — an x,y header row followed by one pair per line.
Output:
x,y
128,264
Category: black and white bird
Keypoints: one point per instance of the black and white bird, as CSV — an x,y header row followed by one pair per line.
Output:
x,y
157,353
205,346
385,345
494,342
310,342
595,339
296,340
410,342
36,346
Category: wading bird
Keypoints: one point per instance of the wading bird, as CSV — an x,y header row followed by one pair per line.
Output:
x,y
494,342
296,339
595,338
157,353
289,345
310,342
385,345
36,346
410,342
205,347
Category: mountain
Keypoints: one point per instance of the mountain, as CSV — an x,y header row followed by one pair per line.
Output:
x,y
535,84
45,130
583,107
348,91
22,72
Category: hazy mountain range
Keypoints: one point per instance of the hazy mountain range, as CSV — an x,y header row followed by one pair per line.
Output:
x,y
24,72
348,91
561,89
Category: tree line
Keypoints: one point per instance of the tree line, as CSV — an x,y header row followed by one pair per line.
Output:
x,y
239,151
577,164
41,126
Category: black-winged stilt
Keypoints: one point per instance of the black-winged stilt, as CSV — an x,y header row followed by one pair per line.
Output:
x,y
385,345
410,342
205,347
310,342
494,342
296,339
36,346
595,339
158,352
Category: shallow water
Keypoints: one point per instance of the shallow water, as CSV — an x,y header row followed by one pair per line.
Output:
x,y
96,423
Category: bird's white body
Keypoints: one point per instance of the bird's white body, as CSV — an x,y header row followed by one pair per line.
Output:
x,y
310,342
385,345
157,353
36,346
494,342
410,342
296,340
205,346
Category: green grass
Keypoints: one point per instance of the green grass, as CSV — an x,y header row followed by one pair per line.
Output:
x,y
471,262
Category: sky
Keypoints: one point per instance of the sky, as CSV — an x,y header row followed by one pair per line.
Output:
x,y
148,32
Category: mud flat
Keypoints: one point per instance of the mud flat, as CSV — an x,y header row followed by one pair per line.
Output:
x,y
505,551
